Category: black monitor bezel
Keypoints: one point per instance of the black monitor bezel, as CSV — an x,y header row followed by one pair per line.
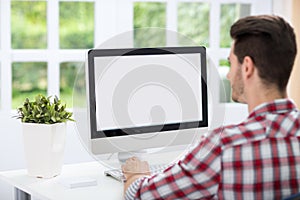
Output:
x,y
143,51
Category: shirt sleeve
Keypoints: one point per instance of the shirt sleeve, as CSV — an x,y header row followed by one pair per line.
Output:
x,y
196,176
131,191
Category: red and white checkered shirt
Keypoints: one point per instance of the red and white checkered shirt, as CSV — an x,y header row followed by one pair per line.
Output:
x,y
256,159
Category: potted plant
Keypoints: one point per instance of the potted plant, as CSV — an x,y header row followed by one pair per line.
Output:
x,y
44,132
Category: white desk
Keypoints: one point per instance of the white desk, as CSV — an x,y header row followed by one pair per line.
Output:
x,y
107,187
53,189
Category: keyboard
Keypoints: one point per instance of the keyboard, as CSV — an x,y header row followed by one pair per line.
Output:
x,y
119,176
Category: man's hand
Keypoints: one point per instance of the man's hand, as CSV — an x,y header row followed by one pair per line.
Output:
x,y
134,169
134,166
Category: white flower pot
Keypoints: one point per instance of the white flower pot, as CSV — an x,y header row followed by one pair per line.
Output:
x,y
44,148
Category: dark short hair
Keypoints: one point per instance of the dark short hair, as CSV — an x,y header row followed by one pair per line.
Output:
x,y
270,42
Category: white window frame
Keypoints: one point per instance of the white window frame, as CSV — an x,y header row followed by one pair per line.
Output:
x,y
111,18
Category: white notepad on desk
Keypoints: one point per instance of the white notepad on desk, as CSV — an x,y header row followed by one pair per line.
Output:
x,y
76,182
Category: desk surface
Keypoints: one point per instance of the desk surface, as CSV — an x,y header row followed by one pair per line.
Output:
x,y
106,188
53,189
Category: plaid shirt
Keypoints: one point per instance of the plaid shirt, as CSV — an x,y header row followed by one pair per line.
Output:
x,y
256,159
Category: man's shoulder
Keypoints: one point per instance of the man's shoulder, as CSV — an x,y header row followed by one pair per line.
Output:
x,y
259,127
235,134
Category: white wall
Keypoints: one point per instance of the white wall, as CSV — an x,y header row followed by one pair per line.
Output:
x,y
283,8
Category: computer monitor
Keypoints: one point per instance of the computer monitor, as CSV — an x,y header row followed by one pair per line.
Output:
x,y
141,98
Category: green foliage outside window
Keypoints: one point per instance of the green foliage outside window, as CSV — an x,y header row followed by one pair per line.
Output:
x,y
76,25
224,63
29,79
28,24
71,80
229,14
149,24
193,22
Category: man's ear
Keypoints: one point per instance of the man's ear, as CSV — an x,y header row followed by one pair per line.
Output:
x,y
248,67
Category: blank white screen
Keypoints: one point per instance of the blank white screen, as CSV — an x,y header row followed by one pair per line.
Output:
x,y
143,90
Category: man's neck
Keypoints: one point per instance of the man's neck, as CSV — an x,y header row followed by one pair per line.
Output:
x,y
264,96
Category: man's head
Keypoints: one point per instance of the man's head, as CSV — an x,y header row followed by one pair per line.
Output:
x,y
268,42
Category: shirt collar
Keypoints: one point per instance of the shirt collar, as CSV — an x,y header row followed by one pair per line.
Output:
x,y
276,106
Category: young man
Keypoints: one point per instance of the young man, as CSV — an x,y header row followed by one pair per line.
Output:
x,y
256,159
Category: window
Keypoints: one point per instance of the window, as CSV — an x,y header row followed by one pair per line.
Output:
x,y
76,25
28,25
229,14
29,78
193,22
43,35
149,24
43,43
71,81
